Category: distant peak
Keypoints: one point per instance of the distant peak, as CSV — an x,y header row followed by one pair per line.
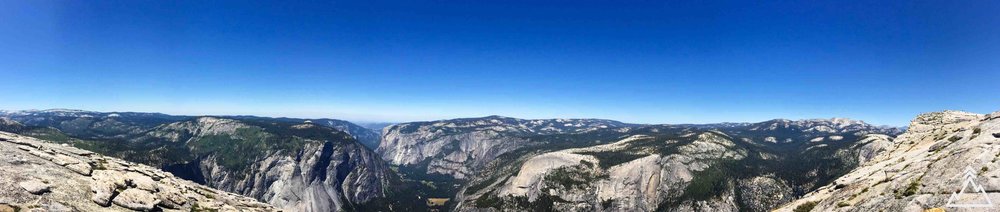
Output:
x,y
780,120
213,119
63,110
944,117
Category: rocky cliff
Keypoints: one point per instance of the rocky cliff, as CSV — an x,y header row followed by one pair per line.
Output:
x,y
729,167
637,173
300,166
297,167
43,176
459,147
944,161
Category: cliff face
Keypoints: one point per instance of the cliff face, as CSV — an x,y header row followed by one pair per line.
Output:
x,y
638,173
922,169
459,147
39,175
300,167
320,177
294,166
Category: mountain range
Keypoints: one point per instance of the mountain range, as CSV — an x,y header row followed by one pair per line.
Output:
x,y
500,163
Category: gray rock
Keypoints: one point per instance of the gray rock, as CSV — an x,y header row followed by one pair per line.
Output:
x,y
640,184
140,181
102,191
35,186
296,184
872,146
57,207
23,142
925,166
79,152
114,177
171,197
71,191
136,199
470,144
81,168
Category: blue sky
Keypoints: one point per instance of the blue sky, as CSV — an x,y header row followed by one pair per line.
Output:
x,y
641,61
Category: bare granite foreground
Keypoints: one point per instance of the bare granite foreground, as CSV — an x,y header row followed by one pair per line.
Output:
x,y
37,175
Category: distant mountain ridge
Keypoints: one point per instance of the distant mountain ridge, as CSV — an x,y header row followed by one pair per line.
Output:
x,y
369,137
414,142
482,152
457,147
484,163
91,124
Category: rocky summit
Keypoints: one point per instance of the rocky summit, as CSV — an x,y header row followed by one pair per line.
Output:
x,y
945,161
44,176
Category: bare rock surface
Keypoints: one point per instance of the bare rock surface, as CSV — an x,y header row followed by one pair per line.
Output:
x,y
576,182
53,177
136,199
924,169
35,186
316,174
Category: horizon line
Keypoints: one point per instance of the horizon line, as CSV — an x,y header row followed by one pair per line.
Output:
x,y
357,121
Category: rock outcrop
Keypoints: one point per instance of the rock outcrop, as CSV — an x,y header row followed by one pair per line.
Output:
x,y
925,168
321,177
637,173
35,186
43,170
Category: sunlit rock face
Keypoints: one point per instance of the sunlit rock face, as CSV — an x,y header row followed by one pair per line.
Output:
x,y
921,169
55,177
459,147
717,167
295,165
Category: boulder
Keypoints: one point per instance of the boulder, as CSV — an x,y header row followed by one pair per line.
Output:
x,y
102,192
81,168
117,178
64,160
140,181
35,186
171,197
105,185
136,199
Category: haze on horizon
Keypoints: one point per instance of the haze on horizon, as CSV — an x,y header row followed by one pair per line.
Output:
x,y
646,62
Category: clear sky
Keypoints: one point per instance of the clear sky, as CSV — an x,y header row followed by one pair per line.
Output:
x,y
635,61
